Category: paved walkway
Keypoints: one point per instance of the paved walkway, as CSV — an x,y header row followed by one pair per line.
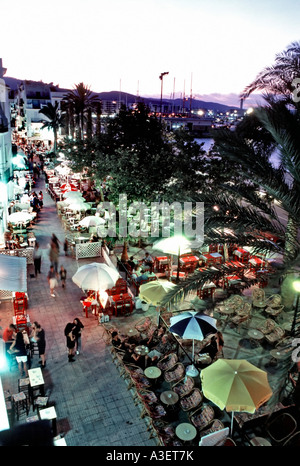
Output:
x,y
92,402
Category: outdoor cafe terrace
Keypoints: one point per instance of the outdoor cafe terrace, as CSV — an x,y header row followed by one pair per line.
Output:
x,y
171,396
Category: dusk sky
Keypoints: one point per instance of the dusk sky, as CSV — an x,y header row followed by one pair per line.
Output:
x,y
214,47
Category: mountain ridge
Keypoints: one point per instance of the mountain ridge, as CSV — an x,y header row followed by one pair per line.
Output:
x,y
13,84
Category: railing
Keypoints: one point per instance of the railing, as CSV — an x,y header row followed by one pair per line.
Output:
x,y
84,250
28,253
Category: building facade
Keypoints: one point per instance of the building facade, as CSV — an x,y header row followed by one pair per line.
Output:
x,y
6,169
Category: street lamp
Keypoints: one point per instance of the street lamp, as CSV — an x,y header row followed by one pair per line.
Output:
x,y
161,77
296,285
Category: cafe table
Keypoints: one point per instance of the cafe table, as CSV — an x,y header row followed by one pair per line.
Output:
x,y
255,336
260,442
169,398
36,382
141,350
81,239
49,414
186,431
152,372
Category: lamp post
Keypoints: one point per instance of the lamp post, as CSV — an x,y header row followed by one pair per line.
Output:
x,y
161,77
296,286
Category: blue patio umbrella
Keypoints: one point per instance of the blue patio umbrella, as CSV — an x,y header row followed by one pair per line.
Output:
x,y
193,325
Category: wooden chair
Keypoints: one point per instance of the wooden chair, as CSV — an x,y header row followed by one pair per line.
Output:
x,y
167,362
215,426
154,411
274,306
191,401
281,427
258,297
293,440
242,316
202,417
164,432
175,374
144,396
184,388
143,325
234,303
267,327
275,336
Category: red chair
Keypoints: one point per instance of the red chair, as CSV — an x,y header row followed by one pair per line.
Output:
x,y
121,285
19,307
128,306
119,307
21,323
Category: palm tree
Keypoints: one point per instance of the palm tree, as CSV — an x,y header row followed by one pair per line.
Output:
x,y
83,101
242,210
278,78
54,122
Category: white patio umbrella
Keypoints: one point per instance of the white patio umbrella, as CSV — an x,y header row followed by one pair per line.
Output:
x,y
72,200
173,245
16,188
20,217
95,276
91,221
22,205
195,326
79,206
73,194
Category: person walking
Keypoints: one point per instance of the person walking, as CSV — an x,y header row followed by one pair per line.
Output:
x,y
54,252
77,329
37,258
63,276
19,348
70,340
52,280
38,334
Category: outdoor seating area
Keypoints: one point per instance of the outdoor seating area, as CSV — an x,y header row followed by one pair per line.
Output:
x,y
171,400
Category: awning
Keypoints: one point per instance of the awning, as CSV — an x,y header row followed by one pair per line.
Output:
x,y
13,273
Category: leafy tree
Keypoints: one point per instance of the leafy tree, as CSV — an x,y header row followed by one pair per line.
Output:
x,y
242,212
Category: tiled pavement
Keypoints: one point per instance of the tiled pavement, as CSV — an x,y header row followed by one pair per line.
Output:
x,y
92,402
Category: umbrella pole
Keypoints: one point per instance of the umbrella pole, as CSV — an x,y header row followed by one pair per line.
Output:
x,y
231,425
191,370
178,262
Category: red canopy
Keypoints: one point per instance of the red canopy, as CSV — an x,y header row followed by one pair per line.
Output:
x,y
68,187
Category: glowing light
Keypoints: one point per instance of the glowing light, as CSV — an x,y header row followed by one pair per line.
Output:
x,y
296,285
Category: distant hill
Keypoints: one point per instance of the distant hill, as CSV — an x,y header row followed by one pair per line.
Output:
x,y
128,99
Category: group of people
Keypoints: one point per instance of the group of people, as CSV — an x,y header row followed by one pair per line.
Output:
x,y
18,343
160,343
36,201
73,338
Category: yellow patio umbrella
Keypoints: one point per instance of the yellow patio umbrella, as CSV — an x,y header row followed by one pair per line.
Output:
x,y
235,385
154,292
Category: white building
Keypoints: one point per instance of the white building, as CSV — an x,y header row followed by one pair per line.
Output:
x,y
31,97
6,170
